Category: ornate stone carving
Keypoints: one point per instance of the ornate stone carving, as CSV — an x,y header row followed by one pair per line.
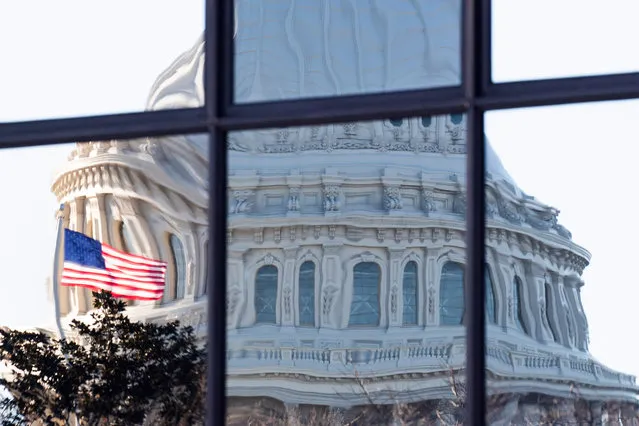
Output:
x,y
392,198
331,231
243,201
327,302
258,235
381,234
150,147
509,212
456,132
287,295
277,235
294,199
428,199
350,129
431,301
269,259
232,300
317,231
332,198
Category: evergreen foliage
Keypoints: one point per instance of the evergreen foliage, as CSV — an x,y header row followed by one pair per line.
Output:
x,y
113,371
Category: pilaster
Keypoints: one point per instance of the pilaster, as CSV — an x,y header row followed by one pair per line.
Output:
x,y
289,290
331,293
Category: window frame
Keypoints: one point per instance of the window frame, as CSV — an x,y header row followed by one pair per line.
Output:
x,y
476,95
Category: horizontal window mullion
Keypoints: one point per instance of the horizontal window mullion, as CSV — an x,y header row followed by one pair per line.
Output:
x,y
344,109
104,127
523,94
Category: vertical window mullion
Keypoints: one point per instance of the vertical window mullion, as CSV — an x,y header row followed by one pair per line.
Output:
x,y
218,87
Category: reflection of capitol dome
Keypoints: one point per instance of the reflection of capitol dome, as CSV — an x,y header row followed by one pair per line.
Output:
x,y
346,241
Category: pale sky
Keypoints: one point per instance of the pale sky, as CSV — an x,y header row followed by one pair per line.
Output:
x,y
576,158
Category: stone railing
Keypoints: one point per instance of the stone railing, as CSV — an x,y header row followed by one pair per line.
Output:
x,y
336,360
502,358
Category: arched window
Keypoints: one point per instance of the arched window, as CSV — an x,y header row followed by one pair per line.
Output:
x,y
451,294
365,309
547,307
179,261
456,118
307,294
266,295
491,312
410,293
519,305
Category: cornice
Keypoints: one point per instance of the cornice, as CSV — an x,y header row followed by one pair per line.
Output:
x,y
120,180
142,164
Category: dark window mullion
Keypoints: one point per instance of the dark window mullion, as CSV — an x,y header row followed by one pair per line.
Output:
x,y
218,84
378,106
103,127
535,93
476,77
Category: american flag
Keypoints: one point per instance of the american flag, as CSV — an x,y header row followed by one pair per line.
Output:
x,y
91,264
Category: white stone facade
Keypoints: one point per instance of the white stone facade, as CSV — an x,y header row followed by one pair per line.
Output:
x,y
387,193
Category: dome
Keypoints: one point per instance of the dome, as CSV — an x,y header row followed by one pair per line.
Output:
x,y
346,241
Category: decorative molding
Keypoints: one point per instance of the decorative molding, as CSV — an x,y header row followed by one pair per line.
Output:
x,y
243,202
332,198
392,198
293,204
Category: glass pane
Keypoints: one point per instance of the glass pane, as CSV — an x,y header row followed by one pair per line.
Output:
x,y
561,301
76,58
134,223
290,50
340,237
538,39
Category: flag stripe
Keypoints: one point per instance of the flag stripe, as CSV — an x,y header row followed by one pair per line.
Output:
x,y
133,258
133,267
75,271
117,291
98,266
100,284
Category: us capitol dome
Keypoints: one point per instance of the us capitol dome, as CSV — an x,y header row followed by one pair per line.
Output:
x,y
346,243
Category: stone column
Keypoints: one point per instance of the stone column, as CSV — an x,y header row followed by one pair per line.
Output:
x,y
536,275
144,238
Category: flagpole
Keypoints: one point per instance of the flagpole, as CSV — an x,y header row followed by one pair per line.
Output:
x,y
56,270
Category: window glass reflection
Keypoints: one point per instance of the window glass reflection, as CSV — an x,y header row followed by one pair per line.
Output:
x,y
290,49
361,228
131,222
